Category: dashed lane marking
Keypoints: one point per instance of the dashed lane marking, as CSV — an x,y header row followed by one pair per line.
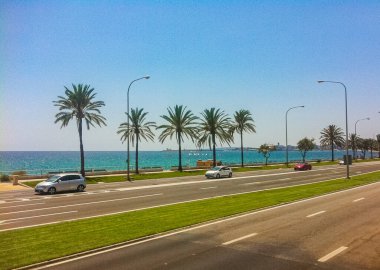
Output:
x,y
238,239
332,254
358,200
315,214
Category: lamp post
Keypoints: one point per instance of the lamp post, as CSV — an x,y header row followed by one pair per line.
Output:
x,y
359,121
345,98
129,87
286,132
354,143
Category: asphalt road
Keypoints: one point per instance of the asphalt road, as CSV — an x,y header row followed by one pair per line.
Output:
x,y
20,209
335,231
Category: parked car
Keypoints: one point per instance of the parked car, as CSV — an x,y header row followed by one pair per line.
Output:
x,y
302,166
61,182
219,171
341,162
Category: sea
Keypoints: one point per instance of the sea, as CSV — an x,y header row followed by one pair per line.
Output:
x,y
42,162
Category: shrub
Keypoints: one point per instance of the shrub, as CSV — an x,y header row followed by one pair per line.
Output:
x,y
4,178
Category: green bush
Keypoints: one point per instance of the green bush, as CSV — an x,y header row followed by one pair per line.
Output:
x,y
4,178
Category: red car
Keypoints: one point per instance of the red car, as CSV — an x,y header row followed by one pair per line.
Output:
x,y
302,166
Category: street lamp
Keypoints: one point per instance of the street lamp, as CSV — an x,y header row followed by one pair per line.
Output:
x,y
354,143
129,87
345,97
359,121
286,132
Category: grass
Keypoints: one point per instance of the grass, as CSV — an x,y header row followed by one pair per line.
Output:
x,y
31,245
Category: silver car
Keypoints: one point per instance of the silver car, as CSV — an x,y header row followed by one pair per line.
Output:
x,y
219,171
61,182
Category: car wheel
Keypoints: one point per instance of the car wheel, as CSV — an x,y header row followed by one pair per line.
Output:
x,y
218,175
52,191
80,188
230,175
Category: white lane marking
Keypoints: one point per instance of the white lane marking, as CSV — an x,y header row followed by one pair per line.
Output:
x,y
24,200
13,219
285,179
79,204
358,172
212,223
248,184
208,187
332,254
21,205
2,201
315,214
357,200
68,195
238,239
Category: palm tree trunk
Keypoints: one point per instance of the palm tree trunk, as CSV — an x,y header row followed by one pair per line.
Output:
x,y
179,153
213,151
332,150
241,149
137,154
81,149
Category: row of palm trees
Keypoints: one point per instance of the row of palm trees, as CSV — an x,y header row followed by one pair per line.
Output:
x,y
332,137
213,125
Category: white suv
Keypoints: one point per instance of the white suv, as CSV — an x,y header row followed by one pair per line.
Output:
x,y
61,182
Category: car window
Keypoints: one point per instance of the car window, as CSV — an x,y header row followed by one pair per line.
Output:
x,y
65,178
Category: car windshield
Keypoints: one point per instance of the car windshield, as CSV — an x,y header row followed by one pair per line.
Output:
x,y
217,168
53,178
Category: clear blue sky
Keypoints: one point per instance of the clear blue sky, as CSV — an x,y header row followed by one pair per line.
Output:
x,y
264,56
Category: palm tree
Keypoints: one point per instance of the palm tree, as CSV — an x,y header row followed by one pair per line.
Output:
x,y
180,122
332,136
214,124
378,143
353,142
138,129
243,122
79,104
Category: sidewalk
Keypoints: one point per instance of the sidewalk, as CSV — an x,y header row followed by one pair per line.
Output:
x,y
10,187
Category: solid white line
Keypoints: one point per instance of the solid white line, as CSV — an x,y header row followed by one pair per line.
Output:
x,y
208,187
61,213
239,239
357,200
332,254
79,204
315,214
21,205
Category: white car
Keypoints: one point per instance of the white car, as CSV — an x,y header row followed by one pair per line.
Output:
x,y
341,162
61,182
219,171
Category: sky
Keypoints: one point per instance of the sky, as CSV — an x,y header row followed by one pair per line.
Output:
x,y
262,56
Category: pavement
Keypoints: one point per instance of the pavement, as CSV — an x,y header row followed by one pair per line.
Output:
x,y
8,186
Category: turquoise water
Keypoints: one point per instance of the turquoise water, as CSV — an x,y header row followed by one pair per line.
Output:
x,y
48,161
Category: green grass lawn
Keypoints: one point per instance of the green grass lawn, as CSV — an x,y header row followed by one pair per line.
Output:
x,y
31,245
